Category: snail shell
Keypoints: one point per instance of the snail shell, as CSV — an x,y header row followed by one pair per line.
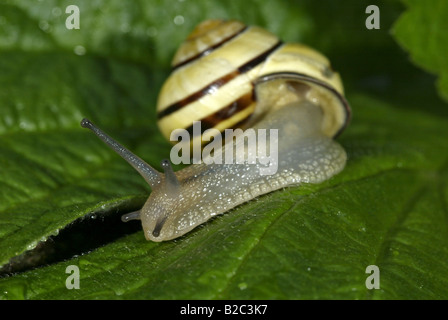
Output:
x,y
215,71
229,75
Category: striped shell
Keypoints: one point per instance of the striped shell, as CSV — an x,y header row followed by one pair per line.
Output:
x,y
215,74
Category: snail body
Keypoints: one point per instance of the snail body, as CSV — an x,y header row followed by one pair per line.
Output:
x,y
288,90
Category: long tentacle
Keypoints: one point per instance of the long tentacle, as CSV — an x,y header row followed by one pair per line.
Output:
x,y
151,175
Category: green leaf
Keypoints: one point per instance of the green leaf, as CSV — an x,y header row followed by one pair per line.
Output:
x,y
62,191
422,30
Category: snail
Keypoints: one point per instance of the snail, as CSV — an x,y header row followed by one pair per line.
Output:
x,y
228,75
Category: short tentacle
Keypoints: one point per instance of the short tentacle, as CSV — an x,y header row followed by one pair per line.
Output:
x,y
135,215
172,184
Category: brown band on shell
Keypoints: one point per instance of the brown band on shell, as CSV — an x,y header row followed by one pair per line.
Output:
x,y
219,82
198,94
224,113
210,49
